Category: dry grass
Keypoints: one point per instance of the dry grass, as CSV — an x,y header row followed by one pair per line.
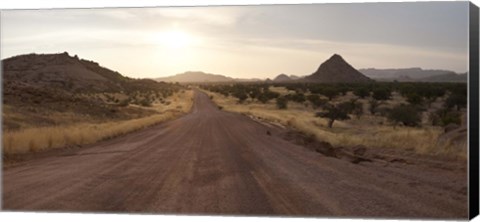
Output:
x,y
281,90
371,131
44,138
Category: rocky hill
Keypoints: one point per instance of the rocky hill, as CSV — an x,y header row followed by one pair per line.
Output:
x,y
282,78
335,70
37,87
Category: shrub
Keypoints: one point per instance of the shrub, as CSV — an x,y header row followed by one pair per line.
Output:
x,y
373,106
444,117
297,97
357,109
406,114
361,92
146,102
316,101
124,102
282,102
330,93
456,100
381,94
414,99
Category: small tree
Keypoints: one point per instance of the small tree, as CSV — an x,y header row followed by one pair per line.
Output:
x,y
373,106
330,93
361,92
146,102
406,114
456,100
381,94
334,112
444,117
282,102
357,109
316,101
241,96
297,97
414,99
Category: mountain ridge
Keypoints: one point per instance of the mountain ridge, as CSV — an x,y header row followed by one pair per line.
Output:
x,y
413,74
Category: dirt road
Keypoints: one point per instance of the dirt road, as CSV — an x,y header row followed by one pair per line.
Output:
x,y
215,162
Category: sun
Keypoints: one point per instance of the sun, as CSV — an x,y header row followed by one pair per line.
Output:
x,y
174,39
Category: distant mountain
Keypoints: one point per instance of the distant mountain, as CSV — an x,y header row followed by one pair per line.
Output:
x,y
190,76
282,78
448,77
294,77
412,75
336,69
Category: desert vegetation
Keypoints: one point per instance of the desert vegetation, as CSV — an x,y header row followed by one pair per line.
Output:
x,y
34,139
56,100
403,116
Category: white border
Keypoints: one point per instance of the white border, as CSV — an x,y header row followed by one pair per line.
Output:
x,y
53,217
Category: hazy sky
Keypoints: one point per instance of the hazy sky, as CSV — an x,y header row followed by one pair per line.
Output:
x,y
247,41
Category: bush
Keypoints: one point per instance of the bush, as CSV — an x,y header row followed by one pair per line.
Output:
x,y
414,99
316,101
146,102
330,93
297,97
373,106
406,114
381,94
124,102
456,100
361,92
282,102
444,117
357,109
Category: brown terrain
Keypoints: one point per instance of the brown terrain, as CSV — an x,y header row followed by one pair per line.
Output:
x,y
58,89
215,162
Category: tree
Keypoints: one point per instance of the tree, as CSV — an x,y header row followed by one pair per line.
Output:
x,y
330,93
373,106
335,112
267,95
241,96
444,117
406,114
297,97
361,92
146,102
456,100
414,99
282,102
357,109
316,101
381,93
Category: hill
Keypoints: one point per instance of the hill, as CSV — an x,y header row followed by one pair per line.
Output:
x,y
51,89
282,78
336,69
195,77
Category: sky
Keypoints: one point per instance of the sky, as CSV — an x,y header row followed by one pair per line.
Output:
x,y
246,41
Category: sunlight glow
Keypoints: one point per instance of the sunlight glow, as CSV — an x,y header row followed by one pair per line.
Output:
x,y
174,39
